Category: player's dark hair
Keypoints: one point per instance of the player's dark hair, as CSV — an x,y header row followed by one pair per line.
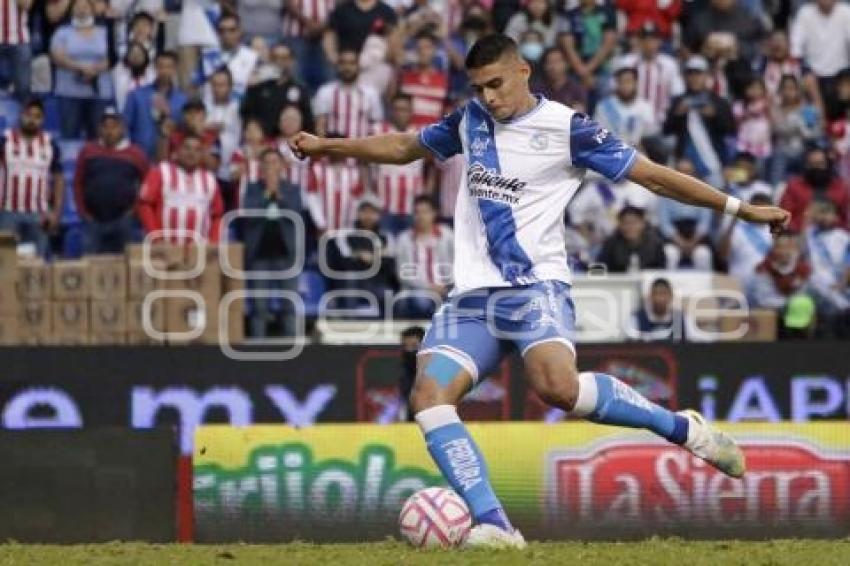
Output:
x,y
662,282
490,49
425,199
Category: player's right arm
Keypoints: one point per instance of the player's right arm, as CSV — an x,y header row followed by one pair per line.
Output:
x,y
396,148
442,139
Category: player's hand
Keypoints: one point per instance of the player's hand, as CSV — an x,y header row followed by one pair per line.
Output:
x,y
776,217
305,145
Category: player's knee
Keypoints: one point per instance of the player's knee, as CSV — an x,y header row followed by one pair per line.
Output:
x,y
555,383
439,381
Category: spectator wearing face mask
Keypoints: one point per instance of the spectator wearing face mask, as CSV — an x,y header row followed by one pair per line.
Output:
x,y
83,85
742,177
537,15
658,319
781,282
818,181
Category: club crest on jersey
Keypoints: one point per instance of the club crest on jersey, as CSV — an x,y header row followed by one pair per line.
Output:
x,y
479,146
539,141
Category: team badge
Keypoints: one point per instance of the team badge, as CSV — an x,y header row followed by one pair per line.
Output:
x,y
539,141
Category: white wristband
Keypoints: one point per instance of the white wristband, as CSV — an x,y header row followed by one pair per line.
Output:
x,y
732,206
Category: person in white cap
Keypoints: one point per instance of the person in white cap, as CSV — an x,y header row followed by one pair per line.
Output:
x,y
701,121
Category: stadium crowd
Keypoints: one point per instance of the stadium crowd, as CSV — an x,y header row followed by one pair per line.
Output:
x,y
129,116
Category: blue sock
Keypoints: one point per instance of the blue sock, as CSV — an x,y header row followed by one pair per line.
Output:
x,y
607,400
461,463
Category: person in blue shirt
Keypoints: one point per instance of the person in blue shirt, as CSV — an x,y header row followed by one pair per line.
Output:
x,y
149,106
685,228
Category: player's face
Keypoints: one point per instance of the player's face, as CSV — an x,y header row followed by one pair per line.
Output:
x,y
502,86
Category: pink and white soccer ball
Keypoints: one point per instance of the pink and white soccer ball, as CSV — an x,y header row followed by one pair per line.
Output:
x,y
436,516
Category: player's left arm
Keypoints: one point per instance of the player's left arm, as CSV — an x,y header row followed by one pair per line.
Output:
x,y
684,188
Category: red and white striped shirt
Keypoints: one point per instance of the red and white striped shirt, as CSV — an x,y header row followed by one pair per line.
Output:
x,y
339,186
659,80
27,163
350,109
429,90
173,198
14,26
399,185
318,10
425,260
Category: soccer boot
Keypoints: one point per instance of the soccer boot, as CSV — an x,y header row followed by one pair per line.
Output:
x,y
491,536
712,445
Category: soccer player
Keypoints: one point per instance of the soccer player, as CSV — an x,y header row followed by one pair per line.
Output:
x,y
525,158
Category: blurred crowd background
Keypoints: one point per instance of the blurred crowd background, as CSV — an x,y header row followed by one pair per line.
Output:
x,y
126,117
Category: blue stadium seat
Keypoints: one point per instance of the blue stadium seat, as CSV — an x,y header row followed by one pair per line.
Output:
x,y
51,115
69,149
311,287
10,110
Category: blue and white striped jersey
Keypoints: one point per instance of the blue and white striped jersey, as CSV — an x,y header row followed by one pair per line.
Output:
x,y
520,175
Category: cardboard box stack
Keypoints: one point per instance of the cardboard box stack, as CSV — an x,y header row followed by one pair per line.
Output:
x,y
100,300
8,298
34,314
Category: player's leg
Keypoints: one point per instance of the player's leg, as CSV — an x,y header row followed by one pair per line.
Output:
x,y
455,352
602,398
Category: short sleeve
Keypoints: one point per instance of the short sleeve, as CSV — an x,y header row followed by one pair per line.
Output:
x,y
443,138
593,147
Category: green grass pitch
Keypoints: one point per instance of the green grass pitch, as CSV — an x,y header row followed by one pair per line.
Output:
x,y
650,552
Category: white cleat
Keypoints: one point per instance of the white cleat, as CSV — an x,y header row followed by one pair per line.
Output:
x,y
714,446
491,536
